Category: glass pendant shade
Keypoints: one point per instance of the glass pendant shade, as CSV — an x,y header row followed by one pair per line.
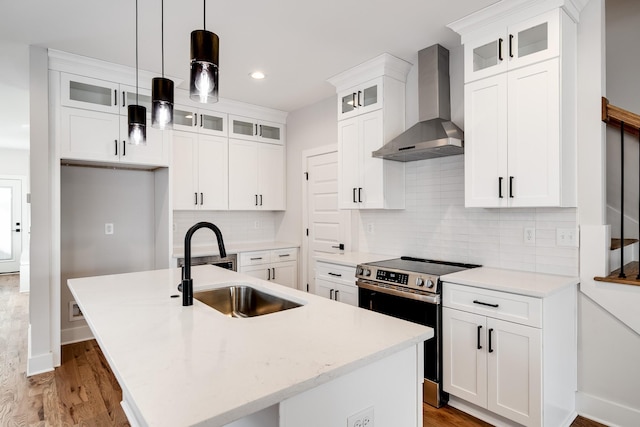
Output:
x,y
204,67
162,103
137,116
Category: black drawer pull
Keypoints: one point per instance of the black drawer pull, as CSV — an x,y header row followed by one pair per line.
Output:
x,y
479,328
485,303
256,259
334,274
284,255
490,332
331,294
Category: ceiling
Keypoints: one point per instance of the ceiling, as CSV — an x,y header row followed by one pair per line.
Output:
x,y
297,43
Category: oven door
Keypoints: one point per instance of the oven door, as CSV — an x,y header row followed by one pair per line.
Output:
x,y
425,313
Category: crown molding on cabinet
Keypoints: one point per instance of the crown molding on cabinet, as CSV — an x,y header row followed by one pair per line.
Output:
x,y
382,65
499,13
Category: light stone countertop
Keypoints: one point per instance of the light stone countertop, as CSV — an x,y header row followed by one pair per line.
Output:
x,y
233,248
352,259
516,282
187,365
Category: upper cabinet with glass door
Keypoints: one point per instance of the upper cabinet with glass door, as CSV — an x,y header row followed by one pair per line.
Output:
x,y
199,120
256,130
524,43
91,94
360,99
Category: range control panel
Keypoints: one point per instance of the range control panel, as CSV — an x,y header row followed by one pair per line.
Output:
x,y
392,276
418,281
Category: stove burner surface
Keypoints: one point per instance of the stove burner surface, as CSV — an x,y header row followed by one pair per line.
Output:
x,y
423,266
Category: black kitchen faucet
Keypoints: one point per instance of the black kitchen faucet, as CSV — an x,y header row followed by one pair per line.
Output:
x,y
187,282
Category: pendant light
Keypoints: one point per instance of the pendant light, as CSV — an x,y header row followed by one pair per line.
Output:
x,y
204,64
137,114
162,93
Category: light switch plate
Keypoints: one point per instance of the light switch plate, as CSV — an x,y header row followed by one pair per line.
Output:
x,y
108,228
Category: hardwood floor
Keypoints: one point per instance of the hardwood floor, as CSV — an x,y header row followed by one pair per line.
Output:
x,y
83,390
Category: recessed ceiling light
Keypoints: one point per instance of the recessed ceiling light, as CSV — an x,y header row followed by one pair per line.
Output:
x,y
258,75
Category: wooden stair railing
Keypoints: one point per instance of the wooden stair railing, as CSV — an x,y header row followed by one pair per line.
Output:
x,y
628,122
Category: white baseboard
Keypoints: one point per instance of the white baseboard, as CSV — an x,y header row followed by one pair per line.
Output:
x,y
24,278
480,413
606,412
72,335
38,364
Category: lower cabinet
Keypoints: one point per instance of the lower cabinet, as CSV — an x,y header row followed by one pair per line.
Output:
x,y
336,282
278,265
493,353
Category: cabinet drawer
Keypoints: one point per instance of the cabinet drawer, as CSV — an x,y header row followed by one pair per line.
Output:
x,y
521,309
255,258
283,255
336,273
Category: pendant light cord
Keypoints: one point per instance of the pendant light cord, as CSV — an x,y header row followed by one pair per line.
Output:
x,y
204,15
136,52
162,34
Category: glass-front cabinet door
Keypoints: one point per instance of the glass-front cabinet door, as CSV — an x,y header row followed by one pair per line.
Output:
x,y
128,94
90,94
527,42
360,99
202,121
243,128
270,132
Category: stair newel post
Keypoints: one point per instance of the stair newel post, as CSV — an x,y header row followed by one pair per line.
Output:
x,y
622,275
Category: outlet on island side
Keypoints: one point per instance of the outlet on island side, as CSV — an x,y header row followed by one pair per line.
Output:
x,y
74,312
529,236
363,418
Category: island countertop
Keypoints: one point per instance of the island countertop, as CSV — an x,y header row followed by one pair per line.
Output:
x,y
193,365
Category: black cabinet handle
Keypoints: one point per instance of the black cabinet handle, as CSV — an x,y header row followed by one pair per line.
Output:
x,y
261,200
490,349
359,195
500,49
510,45
196,119
511,187
331,294
256,259
274,273
256,200
115,97
116,144
334,274
124,148
337,293
260,130
475,301
353,100
359,103
500,187
123,99
201,121
284,255
196,200
479,328
256,131
201,199
354,195
268,274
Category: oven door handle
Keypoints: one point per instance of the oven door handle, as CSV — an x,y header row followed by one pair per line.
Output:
x,y
429,299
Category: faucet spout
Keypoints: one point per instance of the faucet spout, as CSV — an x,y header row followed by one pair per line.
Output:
x,y
187,281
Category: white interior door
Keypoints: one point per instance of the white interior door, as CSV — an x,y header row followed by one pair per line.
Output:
x,y
10,225
328,226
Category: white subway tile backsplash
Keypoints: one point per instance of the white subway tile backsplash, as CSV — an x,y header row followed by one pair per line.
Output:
x,y
435,224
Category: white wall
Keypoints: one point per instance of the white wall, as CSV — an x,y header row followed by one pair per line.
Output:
x,y
89,198
14,86
608,377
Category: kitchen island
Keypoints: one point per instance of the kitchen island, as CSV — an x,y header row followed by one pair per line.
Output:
x,y
315,365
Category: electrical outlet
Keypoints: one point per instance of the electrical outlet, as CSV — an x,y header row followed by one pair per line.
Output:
x,y
256,224
370,228
529,236
567,237
108,228
361,419
74,312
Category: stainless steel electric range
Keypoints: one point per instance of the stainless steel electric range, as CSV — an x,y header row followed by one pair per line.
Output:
x,y
410,289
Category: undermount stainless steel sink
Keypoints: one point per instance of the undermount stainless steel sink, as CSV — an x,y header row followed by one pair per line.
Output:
x,y
243,301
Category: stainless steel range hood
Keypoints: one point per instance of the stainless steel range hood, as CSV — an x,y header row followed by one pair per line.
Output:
x,y
435,135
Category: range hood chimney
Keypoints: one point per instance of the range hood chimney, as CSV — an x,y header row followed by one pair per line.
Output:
x,y
435,135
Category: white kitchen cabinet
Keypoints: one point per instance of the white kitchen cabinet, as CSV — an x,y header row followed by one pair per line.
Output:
x,y
336,282
103,137
519,44
199,172
89,93
256,176
520,128
371,104
366,182
497,351
190,119
256,130
278,265
361,99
